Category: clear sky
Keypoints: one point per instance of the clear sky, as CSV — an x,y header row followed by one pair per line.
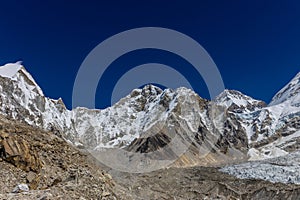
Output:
x,y
255,44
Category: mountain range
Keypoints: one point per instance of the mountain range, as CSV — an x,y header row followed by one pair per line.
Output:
x,y
231,128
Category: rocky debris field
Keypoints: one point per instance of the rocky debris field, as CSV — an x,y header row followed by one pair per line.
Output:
x,y
202,183
49,166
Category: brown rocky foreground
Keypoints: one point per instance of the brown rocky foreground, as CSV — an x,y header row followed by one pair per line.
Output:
x,y
53,169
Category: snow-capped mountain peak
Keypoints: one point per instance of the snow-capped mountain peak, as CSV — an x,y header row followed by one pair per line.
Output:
x,y
238,102
21,98
17,72
10,70
290,92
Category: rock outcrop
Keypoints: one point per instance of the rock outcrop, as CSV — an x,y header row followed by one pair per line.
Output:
x,y
51,167
18,152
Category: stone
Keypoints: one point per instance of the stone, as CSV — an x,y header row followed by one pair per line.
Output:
x,y
21,188
30,177
33,179
46,196
105,194
4,135
17,151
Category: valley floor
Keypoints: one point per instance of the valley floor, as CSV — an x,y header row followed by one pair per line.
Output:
x,y
201,183
53,169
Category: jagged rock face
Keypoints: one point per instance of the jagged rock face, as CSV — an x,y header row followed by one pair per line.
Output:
x,y
229,127
149,144
18,152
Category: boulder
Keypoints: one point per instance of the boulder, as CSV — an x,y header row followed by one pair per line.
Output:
x,y
17,151
21,188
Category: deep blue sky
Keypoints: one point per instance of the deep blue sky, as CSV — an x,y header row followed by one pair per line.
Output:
x,y
255,44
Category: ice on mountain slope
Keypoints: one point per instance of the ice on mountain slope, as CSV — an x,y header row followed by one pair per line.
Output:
x,y
262,122
269,121
240,110
22,99
132,117
265,124
237,102
290,92
276,148
117,125
272,131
